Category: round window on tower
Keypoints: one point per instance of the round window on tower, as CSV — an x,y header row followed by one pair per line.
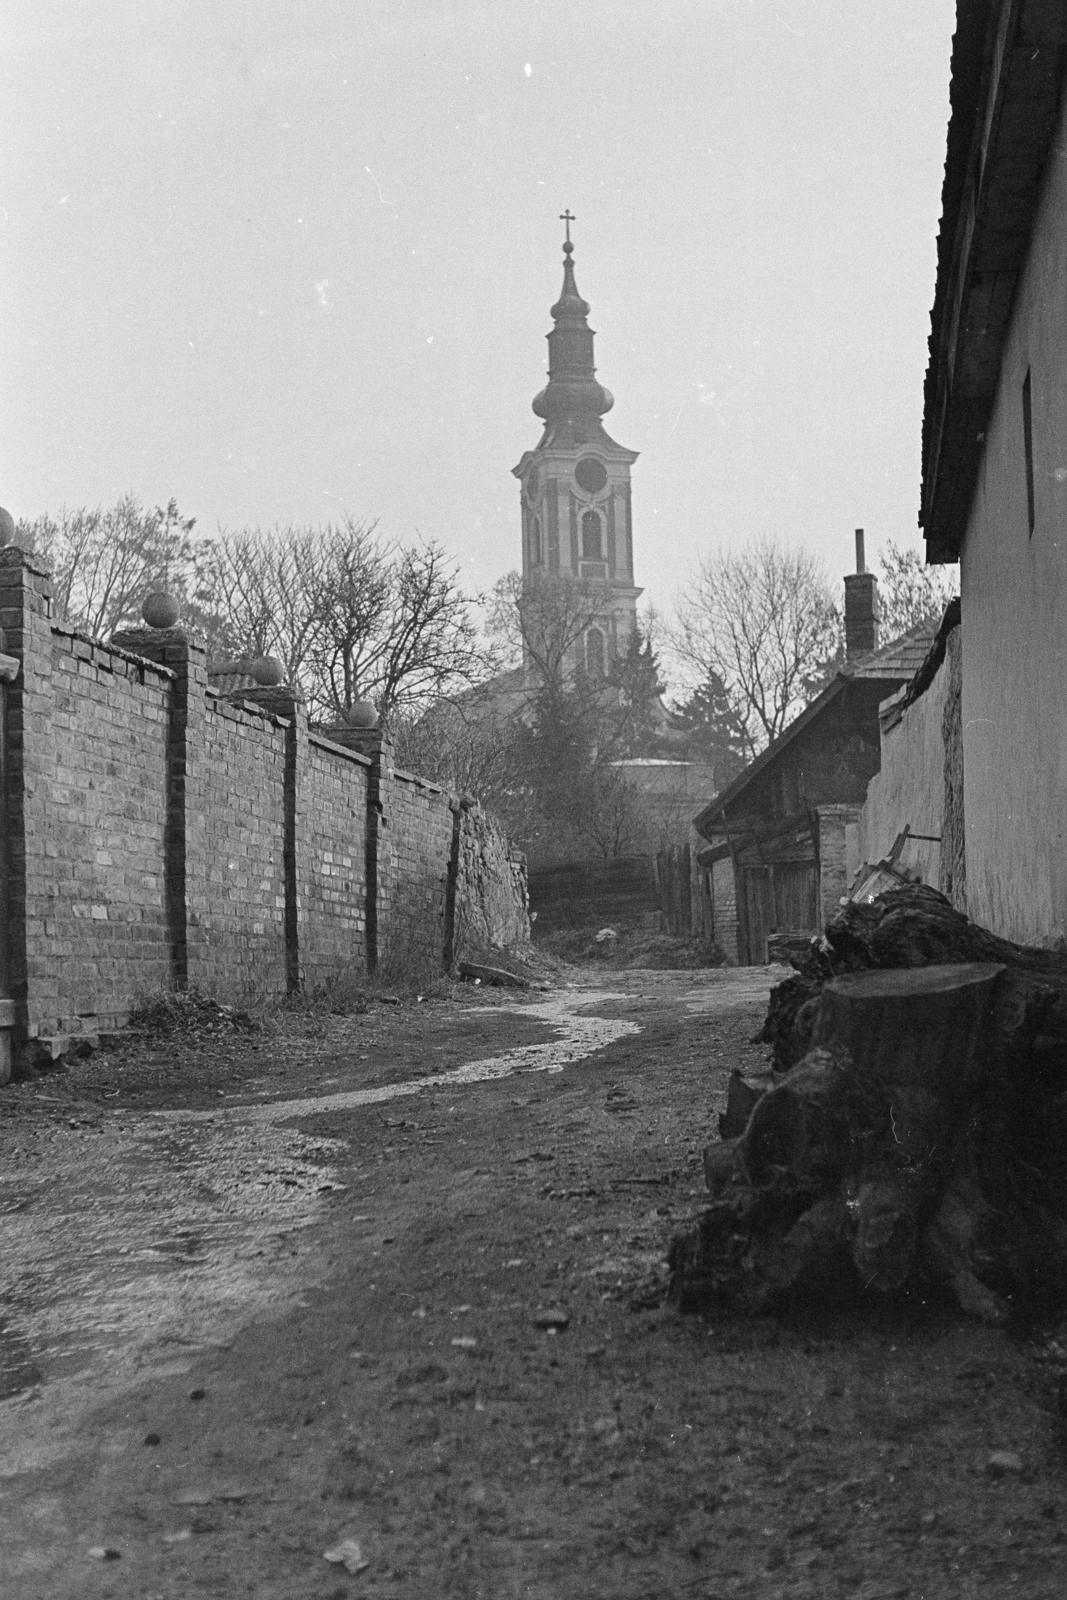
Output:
x,y
590,475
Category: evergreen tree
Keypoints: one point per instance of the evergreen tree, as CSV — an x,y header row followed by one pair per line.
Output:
x,y
633,714
711,731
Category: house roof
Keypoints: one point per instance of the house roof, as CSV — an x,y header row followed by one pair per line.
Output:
x,y
902,658
1009,64
893,665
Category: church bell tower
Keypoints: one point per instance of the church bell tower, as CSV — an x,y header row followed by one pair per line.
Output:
x,y
576,516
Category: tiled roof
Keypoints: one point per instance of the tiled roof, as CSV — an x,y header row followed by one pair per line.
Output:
x,y
901,658
895,664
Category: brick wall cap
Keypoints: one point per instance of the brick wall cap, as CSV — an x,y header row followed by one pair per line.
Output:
x,y
13,555
422,783
157,636
224,703
324,742
64,630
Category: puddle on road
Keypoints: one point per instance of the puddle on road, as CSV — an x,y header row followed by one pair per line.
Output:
x,y
581,1036
127,1253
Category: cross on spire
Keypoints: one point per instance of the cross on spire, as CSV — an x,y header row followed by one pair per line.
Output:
x,y
568,217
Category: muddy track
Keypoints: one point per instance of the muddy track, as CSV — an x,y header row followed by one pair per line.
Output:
x,y
397,1279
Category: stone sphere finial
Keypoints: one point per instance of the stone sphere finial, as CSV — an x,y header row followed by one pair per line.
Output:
x,y
361,714
7,527
160,609
268,672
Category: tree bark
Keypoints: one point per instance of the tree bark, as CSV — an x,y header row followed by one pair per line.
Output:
x,y
919,1135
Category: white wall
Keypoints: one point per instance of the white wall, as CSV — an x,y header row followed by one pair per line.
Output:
x,y
909,790
1014,591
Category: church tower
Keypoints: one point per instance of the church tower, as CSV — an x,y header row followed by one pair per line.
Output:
x,y
576,484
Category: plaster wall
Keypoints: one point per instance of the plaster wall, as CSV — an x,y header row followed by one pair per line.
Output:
x,y
909,790
1014,596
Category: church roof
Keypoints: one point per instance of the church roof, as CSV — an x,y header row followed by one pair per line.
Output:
x,y
572,402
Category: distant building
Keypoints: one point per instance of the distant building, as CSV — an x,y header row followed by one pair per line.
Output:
x,y
994,490
781,841
576,507
670,789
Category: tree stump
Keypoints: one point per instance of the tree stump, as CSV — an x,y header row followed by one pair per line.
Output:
x,y
892,1150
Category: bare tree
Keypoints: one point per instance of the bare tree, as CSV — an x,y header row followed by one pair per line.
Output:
x,y
466,744
910,592
105,561
350,617
392,625
540,620
259,583
757,622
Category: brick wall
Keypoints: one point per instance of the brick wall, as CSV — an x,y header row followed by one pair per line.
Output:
x,y
333,862
160,835
415,851
240,910
96,925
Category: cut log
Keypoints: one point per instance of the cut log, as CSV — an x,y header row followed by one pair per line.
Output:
x,y
800,1128
886,1216
919,1027
741,1098
920,1133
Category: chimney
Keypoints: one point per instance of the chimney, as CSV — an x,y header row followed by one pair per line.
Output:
x,y
861,608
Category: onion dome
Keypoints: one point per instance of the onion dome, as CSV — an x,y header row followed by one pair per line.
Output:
x,y
572,393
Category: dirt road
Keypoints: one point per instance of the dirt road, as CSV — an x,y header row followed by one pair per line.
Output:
x,y
388,1286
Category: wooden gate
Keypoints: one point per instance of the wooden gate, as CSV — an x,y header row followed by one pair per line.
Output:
x,y
778,897
675,894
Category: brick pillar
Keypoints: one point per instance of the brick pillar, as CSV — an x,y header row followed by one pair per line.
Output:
x,y
29,1003
726,922
833,823
185,835
374,743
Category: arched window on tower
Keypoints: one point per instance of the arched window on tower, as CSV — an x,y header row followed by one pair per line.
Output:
x,y
535,542
594,653
591,541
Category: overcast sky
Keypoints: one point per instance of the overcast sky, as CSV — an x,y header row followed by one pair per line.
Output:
x,y
281,261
